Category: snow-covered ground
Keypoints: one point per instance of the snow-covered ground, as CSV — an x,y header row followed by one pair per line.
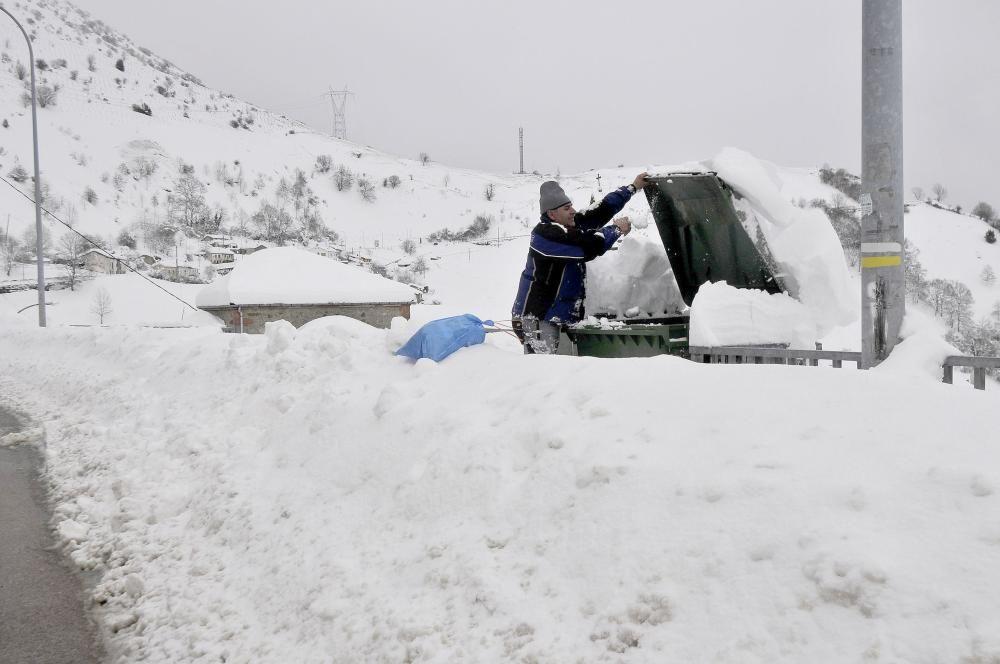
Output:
x,y
307,496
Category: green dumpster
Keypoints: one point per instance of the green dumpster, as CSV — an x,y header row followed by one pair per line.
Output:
x,y
643,338
704,241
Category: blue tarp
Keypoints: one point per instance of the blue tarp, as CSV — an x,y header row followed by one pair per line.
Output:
x,y
440,338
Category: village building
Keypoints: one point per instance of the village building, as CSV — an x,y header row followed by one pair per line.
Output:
x,y
98,260
216,255
295,285
177,273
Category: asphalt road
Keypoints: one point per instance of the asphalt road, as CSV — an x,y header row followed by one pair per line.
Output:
x,y
42,617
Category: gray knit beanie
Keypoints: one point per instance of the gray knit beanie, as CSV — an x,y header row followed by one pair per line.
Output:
x,y
552,196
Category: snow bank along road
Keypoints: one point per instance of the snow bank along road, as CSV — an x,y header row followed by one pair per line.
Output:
x,y
306,496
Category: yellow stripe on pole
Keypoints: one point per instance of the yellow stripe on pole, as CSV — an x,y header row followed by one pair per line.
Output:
x,y
881,261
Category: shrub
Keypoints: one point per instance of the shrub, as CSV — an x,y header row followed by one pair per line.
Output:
x,y
393,181
142,108
91,63
120,64
984,211
479,227
490,191
41,65
409,246
90,196
126,239
46,96
18,174
73,75
366,189
991,236
324,163
424,158
5,123
842,181
20,71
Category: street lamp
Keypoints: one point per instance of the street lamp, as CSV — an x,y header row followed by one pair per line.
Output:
x,y
38,181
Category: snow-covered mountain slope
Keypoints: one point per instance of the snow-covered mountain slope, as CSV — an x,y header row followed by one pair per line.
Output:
x,y
91,137
952,246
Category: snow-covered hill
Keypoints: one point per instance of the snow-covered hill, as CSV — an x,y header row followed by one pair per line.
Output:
x,y
92,139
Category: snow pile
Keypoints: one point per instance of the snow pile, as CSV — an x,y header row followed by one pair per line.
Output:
x,y
634,281
306,496
286,275
802,240
723,315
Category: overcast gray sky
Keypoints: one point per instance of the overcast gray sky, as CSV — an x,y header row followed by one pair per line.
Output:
x,y
598,83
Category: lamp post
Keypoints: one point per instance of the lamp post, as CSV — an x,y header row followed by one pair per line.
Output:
x,y
38,181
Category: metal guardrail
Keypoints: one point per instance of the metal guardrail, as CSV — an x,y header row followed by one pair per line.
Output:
x,y
757,355
979,365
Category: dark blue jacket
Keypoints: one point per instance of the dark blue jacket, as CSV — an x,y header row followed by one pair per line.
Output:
x,y
552,285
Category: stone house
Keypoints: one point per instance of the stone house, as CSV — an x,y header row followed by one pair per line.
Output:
x,y
298,286
98,260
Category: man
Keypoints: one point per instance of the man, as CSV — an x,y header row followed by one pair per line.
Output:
x,y
552,288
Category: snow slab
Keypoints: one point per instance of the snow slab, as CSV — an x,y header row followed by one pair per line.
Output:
x,y
723,315
286,275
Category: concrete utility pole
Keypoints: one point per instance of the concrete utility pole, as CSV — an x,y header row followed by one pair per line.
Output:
x,y
338,99
520,141
883,294
40,257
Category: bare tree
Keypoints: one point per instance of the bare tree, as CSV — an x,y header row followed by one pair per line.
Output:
x,y
988,276
490,191
8,252
939,191
409,246
186,205
366,189
101,306
424,158
918,193
343,178
71,247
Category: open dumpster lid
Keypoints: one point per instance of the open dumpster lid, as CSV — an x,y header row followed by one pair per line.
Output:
x,y
704,238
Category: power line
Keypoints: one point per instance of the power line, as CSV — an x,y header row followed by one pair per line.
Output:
x,y
126,265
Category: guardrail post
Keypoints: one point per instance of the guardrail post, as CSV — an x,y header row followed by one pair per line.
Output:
x,y
949,372
979,378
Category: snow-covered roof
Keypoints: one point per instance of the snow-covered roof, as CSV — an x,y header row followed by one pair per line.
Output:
x,y
286,275
99,251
